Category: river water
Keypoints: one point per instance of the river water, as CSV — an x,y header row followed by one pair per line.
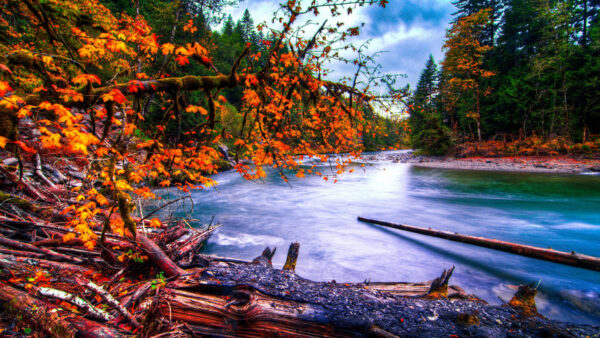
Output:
x,y
546,210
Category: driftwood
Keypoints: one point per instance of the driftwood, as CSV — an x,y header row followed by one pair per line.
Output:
x,y
27,187
81,303
50,318
49,253
16,261
292,257
40,173
524,300
573,259
265,258
439,286
107,297
243,313
159,257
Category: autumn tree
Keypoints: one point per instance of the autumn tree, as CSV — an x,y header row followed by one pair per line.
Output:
x,y
86,80
463,64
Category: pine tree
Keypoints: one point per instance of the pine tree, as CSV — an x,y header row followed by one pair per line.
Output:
x,y
428,133
427,85
247,28
470,7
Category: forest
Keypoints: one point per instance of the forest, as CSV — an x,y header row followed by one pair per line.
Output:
x,y
521,75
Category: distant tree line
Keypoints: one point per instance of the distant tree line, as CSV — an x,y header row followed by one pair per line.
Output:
x,y
513,70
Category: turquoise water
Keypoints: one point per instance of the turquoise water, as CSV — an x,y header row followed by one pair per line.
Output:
x,y
558,211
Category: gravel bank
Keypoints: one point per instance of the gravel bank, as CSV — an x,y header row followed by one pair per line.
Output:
x,y
559,165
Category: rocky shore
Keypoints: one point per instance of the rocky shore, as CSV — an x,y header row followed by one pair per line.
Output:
x,y
537,164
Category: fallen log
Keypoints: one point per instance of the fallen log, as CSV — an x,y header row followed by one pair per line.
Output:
x,y
21,253
25,246
108,298
244,313
70,298
159,257
551,255
26,187
51,319
10,261
192,244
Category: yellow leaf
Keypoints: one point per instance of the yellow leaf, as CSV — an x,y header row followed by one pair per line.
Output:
x,y
181,51
167,48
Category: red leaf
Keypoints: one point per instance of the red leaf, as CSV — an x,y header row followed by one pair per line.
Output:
x,y
182,60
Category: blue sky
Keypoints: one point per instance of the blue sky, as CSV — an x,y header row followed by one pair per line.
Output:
x,y
407,30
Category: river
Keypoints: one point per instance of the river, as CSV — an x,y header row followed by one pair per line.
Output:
x,y
546,210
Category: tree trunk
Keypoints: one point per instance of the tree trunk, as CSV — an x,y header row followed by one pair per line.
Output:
x,y
159,257
244,313
573,259
51,319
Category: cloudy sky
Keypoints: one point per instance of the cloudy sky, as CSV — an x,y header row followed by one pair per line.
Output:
x,y
407,30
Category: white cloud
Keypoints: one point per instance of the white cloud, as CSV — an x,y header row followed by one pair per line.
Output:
x,y
408,30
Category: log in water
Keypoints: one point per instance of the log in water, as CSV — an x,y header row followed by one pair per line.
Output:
x,y
573,258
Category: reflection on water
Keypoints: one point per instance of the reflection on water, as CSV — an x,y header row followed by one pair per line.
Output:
x,y
545,210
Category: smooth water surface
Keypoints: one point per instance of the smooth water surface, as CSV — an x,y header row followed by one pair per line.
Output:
x,y
558,211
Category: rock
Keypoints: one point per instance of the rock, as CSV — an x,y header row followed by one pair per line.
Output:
x,y
595,169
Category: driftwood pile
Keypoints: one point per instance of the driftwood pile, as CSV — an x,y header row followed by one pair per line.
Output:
x,y
161,285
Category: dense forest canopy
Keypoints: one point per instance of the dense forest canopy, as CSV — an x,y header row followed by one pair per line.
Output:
x,y
147,91
514,71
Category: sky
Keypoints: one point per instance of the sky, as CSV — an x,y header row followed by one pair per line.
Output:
x,y
407,30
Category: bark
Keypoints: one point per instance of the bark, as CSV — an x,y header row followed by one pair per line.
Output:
x,y
108,298
27,188
49,253
524,300
159,257
292,257
189,82
439,286
412,289
50,319
573,259
40,173
18,262
265,257
244,313
137,295
192,244
79,302
21,253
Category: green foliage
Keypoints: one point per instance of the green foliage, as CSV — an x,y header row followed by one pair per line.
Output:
x,y
160,279
428,133
545,56
433,137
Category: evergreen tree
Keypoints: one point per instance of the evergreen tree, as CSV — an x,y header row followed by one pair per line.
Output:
x,y
428,133
470,7
247,28
427,85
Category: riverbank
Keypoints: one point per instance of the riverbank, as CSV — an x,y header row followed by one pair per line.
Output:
x,y
532,164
